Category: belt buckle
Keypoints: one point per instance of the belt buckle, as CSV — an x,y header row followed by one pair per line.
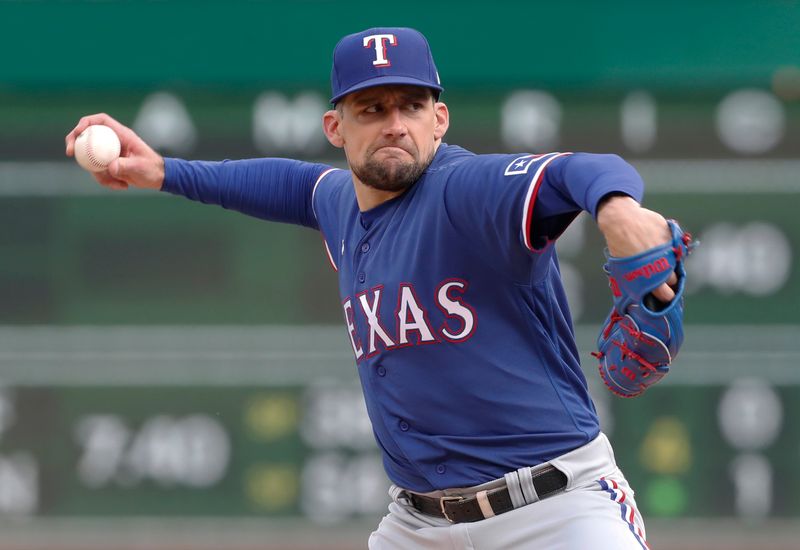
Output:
x,y
444,499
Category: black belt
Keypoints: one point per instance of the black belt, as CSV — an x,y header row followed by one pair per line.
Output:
x,y
547,481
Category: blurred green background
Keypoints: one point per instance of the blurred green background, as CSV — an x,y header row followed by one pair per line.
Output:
x,y
175,374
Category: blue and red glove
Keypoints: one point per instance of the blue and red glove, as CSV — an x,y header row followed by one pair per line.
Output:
x,y
641,336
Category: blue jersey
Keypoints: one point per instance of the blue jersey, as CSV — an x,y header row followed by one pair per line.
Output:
x,y
451,296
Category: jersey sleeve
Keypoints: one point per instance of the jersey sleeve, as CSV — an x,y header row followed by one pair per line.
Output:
x,y
267,188
531,199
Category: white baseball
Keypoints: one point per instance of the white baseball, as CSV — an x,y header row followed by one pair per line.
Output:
x,y
96,147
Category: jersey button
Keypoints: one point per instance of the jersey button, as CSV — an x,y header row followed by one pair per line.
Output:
x,y
404,425
365,248
362,277
441,468
381,371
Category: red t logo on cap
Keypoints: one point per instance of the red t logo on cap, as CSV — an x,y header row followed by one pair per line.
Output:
x,y
380,41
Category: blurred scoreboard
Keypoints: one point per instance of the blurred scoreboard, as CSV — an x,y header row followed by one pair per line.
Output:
x,y
155,451
167,421
171,261
270,422
285,121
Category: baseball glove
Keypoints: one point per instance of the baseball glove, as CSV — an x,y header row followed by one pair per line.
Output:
x,y
641,336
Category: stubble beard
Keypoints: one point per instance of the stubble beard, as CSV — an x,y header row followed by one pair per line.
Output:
x,y
390,176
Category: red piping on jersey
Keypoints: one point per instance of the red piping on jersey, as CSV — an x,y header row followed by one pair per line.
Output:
x,y
328,251
528,213
314,190
314,211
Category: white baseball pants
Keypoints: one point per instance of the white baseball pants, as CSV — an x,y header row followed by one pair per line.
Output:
x,y
596,511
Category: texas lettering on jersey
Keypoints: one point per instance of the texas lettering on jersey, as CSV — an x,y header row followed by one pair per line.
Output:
x,y
410,317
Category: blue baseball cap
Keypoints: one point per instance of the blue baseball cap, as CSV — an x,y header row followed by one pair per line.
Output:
x,y
381,56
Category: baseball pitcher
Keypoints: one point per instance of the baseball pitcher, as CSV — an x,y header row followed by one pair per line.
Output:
x,y
453,303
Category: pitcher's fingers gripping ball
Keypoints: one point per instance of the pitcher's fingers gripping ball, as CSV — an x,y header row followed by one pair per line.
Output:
x,y
96,147
641,335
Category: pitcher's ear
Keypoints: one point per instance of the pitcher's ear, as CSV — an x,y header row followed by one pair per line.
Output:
x,y
331,125
442,115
